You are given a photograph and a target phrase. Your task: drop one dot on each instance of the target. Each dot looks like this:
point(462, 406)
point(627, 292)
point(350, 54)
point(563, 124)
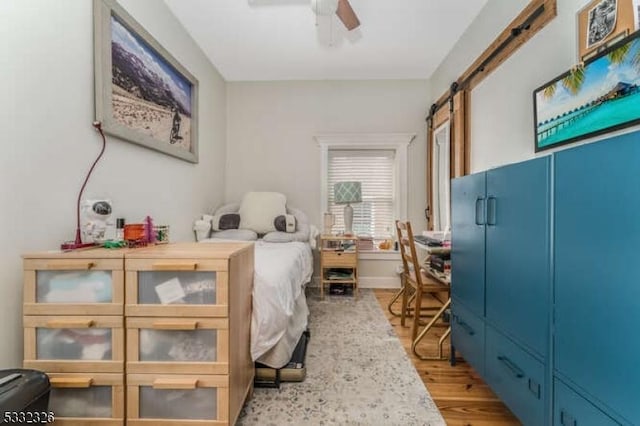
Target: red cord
point(98, 127)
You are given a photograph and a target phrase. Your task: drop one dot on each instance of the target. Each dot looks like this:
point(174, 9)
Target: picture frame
point(602, 23)
point(601, 96)
point(142, 93)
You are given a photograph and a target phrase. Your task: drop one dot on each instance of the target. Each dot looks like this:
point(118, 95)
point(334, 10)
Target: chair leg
point(396, 296)
point(426, 329)
point(405, 303)
point(416, 313)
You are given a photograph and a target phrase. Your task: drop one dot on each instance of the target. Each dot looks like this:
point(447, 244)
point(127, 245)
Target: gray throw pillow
point(222, 222)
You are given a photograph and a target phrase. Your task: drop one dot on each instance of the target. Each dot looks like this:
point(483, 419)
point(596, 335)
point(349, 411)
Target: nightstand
point(339, 261)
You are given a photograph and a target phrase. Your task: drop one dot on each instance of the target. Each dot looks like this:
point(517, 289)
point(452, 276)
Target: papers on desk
point(433, 249)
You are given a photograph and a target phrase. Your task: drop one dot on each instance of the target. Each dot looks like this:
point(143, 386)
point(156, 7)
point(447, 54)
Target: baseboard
point(369, 282)
point(379, 282)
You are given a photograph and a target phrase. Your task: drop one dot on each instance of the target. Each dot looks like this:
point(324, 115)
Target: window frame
point(399, 142)
point(441, 201)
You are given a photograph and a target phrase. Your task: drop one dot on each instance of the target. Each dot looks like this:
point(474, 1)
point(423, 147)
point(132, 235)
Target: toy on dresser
point(95, 216)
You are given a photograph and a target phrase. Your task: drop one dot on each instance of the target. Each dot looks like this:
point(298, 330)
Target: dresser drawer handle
point(511, 366)
point(567, 419)
point(71, 382)
point(70, 323)
point(175, 383)
point(175, 325)
point(80, 265)
point(175, 266)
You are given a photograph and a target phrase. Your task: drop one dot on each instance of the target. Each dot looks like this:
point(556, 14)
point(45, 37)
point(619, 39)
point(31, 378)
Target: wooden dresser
point(156, 335)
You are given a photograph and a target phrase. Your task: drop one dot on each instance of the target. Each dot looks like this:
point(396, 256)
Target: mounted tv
point(601, 96)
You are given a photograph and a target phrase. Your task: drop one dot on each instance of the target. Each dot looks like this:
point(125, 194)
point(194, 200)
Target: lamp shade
point(347, 192)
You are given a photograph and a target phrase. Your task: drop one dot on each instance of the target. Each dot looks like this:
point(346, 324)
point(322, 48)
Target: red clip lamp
point(78, 244)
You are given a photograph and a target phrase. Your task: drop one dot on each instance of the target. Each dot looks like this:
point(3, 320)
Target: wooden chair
point(416, 284)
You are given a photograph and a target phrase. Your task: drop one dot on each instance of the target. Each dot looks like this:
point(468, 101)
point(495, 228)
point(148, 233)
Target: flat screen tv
point(601, 96)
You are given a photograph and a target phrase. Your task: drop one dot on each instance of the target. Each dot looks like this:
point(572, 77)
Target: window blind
point(374, 169)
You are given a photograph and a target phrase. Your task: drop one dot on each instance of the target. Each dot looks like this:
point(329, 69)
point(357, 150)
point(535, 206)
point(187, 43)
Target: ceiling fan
point(342, 8)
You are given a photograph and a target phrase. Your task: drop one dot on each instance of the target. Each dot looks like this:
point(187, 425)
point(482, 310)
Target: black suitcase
point(24, 397)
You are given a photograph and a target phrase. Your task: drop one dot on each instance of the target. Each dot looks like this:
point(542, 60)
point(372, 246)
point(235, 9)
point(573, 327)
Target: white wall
point(502, 105)
point(48, 143)
point(271, 127)
point(270, 145)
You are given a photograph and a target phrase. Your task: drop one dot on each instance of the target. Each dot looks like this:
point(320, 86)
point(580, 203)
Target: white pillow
point(259, 209)
point(236, 234)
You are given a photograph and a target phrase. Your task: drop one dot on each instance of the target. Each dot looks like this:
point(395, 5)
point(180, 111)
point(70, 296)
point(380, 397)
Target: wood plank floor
point(461, 395)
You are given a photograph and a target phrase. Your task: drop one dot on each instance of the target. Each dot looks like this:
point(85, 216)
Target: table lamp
point(347, 193)
point(77, 243)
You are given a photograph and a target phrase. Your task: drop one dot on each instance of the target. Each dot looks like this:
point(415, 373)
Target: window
point(375, 170)
point(379, 163)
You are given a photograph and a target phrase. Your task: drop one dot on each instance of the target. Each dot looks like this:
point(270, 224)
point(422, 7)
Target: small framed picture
point(602, 23)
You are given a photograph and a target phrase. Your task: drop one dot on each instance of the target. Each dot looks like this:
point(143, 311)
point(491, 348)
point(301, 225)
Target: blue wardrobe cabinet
point(597, 275)
point(501, 282)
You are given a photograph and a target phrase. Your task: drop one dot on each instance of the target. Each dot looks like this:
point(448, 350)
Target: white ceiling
point(252, 40)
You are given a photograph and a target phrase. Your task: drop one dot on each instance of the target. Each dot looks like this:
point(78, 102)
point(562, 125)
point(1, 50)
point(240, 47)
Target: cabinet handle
point(534, 388)
point(470, 331)
point(181, 266)
point(480, 211)
point(567, 419)
point(71, 382)
point(175, 383)
point(70, 323)
point(515, 370)
point(79, 265)
point(491, 210)
point(175, 325)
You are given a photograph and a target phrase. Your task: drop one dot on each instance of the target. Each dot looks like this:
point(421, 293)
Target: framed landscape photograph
point(599, 97)
point(143, 94)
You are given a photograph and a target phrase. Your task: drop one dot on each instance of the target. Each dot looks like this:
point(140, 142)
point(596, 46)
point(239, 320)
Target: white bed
point(281, 271)
point(280, 310)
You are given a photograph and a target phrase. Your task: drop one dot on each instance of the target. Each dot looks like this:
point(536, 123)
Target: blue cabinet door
point(467, 335)
point(597, 273)
point(518, 272)
point(571, 409)
point(467, 241)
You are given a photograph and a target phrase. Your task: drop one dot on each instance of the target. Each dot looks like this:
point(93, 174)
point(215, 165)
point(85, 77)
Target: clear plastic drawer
point(176, 288)
point(77, 397)
point(74, 287)
point(187, 345)
point(168, 398)
point(74, 344)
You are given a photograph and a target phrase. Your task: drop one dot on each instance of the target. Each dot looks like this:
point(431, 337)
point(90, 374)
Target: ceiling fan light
point(324, 7)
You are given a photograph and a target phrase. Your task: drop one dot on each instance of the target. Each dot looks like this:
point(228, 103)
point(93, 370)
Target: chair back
point(410, 261)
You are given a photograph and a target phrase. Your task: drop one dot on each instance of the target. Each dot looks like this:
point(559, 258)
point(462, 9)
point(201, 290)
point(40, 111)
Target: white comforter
point(281, 270)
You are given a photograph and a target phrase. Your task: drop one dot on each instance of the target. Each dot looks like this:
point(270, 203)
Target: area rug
point(358, 373)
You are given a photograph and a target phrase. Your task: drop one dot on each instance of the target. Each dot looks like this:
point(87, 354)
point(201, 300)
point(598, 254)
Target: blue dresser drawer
point(516, 377)
point(467, 335)
point(570, 409)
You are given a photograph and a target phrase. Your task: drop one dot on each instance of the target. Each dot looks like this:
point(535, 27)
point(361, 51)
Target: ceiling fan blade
point(347, 15)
